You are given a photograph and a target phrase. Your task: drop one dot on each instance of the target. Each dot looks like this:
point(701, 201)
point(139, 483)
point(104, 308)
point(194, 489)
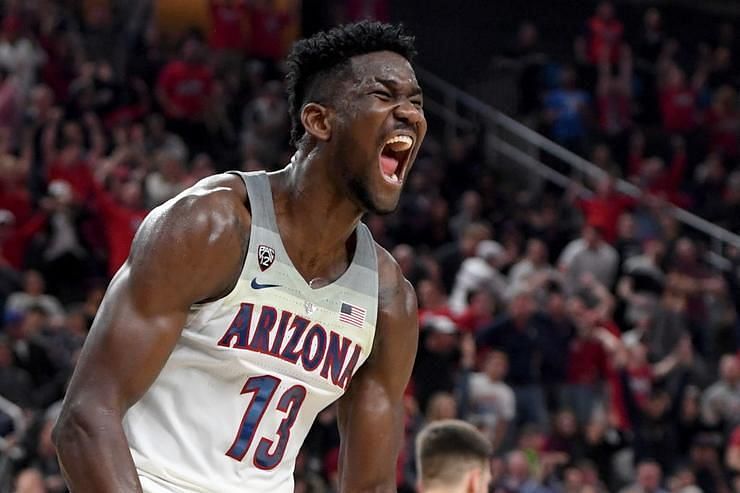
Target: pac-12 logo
point(265, 257)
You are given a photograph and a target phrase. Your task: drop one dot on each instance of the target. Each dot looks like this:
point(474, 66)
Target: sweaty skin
point(335, 178)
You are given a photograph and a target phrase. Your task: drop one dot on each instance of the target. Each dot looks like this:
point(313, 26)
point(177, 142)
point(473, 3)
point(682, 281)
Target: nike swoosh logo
point(256, 285)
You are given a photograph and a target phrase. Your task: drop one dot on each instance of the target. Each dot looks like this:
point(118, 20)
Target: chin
point(375, 202)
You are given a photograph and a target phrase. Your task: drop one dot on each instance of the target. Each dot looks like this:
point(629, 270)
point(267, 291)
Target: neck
point(316, 217)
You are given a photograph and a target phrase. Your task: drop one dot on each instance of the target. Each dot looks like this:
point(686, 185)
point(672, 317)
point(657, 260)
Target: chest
point(265, 325)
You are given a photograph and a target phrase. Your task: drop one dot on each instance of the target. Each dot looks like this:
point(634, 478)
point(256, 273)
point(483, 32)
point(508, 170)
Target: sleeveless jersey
point(251, 371)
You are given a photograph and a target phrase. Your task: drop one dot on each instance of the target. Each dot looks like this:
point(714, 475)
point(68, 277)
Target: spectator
point(491, 401)
point(565, 437)
point(268, 26)
point(555, 331)
point(517, 477)
point(33, 294)
point(604, 34)
point(15, 383)
point(228, 26)
point(602, 442)
point(70, 163)
point(534, 269)
point(706, 464)
point(266, 124)
point(158, 139)
point(471, 209)
point(515, 333)
point(648, 480)
point(168, 180)
point(14, 239)
point(432, 300)
point(30, 353)
point(436, 360)
point(452, 255)
point(723, 120)
point(481, 310)
point(678, 100)
point(614, 96)
point(18, 53)
point(184, 89)
point(589, 254)
point(530, 59)
point(43, 457)
point(721, 401)
point(60, 251)
point(479, 272)
point(654, 423)
point(441, 406)
point(586, 368)
point(603, 209)
point(566, 110)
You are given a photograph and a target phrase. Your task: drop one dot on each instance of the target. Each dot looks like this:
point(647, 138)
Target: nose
point(409, 113)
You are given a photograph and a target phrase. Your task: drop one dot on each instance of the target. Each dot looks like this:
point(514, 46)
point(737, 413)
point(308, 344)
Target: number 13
point(263, 388)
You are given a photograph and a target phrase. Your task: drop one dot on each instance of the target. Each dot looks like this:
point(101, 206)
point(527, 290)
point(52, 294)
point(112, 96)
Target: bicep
point(147, 302)
point(126, 348)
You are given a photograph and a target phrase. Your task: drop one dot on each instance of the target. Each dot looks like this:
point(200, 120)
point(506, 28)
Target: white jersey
point(239, 393)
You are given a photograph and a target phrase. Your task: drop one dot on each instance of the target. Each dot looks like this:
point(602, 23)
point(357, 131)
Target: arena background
point(570, 226)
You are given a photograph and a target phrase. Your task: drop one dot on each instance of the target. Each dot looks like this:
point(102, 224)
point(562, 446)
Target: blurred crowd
point(585, 334)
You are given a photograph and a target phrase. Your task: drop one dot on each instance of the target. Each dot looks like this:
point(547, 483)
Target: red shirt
point(605, 37)
point(77, 174)
point(14, 248)
point(603, 212)
point(187, 86)
point(735, 437)
point(120, 225)
point(586, 361)
point(667, 184)
point(678, 107)
point(470, 321)
point(17, 201)
point(227, 26)
point(614, 113)
point(266, 33)
point(724, 132)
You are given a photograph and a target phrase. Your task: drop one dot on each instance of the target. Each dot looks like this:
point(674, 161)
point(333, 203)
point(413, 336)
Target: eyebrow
point(391, 83)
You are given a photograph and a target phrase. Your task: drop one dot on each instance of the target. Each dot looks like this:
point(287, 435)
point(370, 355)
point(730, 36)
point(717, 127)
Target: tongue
point(388, 165)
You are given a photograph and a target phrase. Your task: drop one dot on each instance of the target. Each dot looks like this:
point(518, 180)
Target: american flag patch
point(351, 314)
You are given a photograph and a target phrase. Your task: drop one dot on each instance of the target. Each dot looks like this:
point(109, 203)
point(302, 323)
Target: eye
point(418, 102)
point(382, 95)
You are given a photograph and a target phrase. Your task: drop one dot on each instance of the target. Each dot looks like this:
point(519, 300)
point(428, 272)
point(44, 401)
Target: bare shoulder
point(396, 296)
point(202, 233)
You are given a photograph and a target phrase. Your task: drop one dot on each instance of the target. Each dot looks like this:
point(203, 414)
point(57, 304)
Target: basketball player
point(250, 302)
point(452, 457)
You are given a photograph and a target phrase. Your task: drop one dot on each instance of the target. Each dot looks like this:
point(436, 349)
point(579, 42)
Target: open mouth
point(394, 157)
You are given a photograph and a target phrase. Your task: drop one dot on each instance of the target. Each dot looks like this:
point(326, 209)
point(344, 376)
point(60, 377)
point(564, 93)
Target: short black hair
point(447, 449)
point(327, 52)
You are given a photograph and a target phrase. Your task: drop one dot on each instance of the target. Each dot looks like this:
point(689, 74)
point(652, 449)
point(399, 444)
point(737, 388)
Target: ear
point(473, 481)
point(315, 119)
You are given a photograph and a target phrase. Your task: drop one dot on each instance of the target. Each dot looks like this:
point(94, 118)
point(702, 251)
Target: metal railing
point(454, 101)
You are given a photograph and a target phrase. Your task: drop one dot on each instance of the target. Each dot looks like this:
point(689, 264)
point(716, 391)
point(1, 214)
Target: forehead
point(382, 65)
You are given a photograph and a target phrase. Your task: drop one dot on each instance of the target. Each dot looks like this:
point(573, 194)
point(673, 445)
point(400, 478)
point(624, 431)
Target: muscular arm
point(187, 250)
point(371, 417)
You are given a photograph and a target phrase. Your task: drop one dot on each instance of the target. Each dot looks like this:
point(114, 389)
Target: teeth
point(400, 143)
point(393, 178)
